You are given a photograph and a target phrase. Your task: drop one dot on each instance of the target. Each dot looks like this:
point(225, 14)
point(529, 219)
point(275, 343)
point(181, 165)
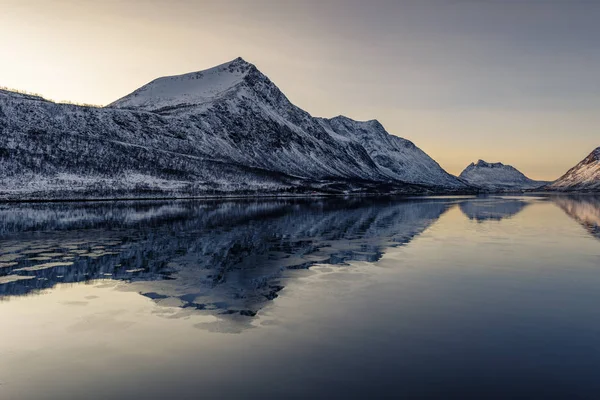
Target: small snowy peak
point(187, 89)
point(484, 164)
point(594, 156)
point(497, 176)
point(585, 176)
point(397, 158)
point(349, 127)
point(347, 120)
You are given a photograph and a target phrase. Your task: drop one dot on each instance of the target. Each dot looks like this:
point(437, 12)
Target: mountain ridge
point(497, 176)
point(237, 69)
point(253, 85)
point(233, 133)
point(585, 176)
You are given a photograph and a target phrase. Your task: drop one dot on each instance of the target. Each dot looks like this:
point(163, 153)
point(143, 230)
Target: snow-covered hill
point(237, 99)
point(497, 176)
point(585, 176)
point(395, 157)
point(228, 129)
point(188, 89)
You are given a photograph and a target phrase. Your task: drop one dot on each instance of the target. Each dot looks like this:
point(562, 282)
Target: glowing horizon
point(511, 83)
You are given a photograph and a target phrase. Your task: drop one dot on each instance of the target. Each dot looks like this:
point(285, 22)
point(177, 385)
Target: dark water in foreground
point(432, 298)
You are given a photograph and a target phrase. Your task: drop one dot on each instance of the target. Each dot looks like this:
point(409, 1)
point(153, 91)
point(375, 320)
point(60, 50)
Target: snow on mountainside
point(248, 105)
point(497, 176)
point(192, 89)
point(585, 176)
point(225, 130)
point(396, 157)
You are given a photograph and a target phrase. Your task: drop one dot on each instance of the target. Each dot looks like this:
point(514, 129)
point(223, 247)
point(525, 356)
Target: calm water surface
point(494, 297)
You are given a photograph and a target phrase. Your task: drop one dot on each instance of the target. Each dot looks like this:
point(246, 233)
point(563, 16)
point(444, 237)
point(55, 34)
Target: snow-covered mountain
point(190, 89)
point(585, 176)
point(228, 129)
point(497, 176)
point(395, 157)
point(238, 99)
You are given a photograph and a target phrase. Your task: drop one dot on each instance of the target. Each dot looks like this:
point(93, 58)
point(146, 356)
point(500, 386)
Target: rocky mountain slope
point(497, 176)
point(226, 130)
point(585, 176)
point(237, 95)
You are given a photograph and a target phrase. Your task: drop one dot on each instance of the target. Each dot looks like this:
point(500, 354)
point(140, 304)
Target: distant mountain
point(226, 130)
point(585, 176)
point(497, 176)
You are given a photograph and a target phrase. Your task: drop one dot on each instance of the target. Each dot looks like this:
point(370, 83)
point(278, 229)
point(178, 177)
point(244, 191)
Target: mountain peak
point(497, 176)
point(485, 164)
point(584, 176)
point(345, 119)
point(187, 89)
point(592, 158)
point(239, 60)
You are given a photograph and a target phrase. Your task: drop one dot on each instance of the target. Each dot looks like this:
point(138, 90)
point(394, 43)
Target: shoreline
point(233, 197)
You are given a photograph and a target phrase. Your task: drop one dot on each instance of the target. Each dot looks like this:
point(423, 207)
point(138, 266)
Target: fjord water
point(493, 297)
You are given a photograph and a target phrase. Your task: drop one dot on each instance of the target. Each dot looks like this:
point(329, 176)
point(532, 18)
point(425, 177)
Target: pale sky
point(515, 81)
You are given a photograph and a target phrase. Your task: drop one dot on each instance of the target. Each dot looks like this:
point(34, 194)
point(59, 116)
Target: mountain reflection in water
point(495, 209)
point(221, 258)
point(584, 209)
point(226, 257)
